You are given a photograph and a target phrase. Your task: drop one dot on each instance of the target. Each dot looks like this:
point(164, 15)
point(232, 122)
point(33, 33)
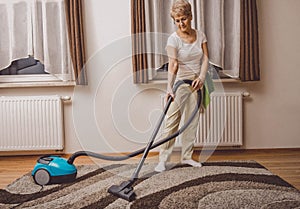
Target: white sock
point(161, 166)
point(192, 163)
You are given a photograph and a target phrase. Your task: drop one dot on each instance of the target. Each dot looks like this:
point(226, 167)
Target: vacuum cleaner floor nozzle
point(124, 191)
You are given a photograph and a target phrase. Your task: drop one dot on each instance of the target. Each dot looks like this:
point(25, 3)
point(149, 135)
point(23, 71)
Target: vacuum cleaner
point(51, 169)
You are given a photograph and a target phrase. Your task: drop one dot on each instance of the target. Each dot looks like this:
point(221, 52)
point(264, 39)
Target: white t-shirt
point(189, 55)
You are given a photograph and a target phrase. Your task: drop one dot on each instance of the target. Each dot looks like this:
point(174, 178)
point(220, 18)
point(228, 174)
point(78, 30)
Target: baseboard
point(31, 153)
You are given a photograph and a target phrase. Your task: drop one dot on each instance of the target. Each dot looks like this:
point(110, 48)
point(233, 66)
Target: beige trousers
point(180, 111)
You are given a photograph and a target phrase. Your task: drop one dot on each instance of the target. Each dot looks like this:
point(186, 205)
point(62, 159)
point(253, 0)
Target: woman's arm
point(199, 82)
point(204, 66)
point(172, 70)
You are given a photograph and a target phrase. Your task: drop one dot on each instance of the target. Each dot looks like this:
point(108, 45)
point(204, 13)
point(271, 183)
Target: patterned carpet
point(215, 185)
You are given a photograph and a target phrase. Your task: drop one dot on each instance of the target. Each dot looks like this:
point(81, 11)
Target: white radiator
point(222, 123)
point(31, 123)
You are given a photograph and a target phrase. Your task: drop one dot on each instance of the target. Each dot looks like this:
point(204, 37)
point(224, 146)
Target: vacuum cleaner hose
point(160, 142)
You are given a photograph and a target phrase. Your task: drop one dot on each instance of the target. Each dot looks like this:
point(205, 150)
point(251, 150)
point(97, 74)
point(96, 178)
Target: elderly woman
point(188, 60)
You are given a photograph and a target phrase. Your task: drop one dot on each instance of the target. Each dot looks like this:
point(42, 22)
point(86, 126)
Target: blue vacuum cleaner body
point(53, 170)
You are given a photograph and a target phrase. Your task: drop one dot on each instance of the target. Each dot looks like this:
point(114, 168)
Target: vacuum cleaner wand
point(125, 190)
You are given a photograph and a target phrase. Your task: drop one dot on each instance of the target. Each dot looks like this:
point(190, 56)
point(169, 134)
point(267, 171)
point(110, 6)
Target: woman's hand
point(197, 84)
point(170, 95)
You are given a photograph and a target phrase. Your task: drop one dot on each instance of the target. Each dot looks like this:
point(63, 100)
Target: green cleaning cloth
point(208, 89)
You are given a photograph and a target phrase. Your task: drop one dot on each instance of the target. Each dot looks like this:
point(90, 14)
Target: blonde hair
point(181, 7)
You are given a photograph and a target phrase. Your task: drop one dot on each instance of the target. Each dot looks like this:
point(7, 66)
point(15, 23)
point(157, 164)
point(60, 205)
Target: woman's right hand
point(170, 95)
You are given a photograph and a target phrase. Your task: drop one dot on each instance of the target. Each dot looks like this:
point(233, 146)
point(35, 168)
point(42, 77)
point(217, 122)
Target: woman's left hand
point(197, 84)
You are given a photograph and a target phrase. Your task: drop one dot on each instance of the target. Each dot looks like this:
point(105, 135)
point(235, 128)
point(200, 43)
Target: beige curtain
point(74, 16)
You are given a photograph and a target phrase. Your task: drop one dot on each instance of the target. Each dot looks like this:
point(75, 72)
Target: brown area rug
point(215, 185)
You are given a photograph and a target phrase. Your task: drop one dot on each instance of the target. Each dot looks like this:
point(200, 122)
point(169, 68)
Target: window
point(231, 29)
point(34, 42)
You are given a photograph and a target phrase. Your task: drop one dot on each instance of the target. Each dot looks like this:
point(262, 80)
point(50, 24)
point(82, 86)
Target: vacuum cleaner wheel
point(41, 177)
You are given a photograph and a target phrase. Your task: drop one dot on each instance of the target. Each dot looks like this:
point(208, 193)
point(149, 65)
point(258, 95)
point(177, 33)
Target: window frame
point(33, 80)
point(65, 78)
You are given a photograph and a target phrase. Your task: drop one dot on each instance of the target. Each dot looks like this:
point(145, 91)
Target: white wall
point(273, 115)
point(111, 114)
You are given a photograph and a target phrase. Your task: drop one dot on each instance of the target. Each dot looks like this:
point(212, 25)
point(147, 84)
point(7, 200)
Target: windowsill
point(21, 81)
point(38, 84)
point(223, 80)
point(161, 78)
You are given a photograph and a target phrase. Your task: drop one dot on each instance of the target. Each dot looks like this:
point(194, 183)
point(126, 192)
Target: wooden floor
point(282, 162)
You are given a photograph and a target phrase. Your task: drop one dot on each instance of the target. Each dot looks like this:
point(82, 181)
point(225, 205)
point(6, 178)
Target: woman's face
point(183, 22)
